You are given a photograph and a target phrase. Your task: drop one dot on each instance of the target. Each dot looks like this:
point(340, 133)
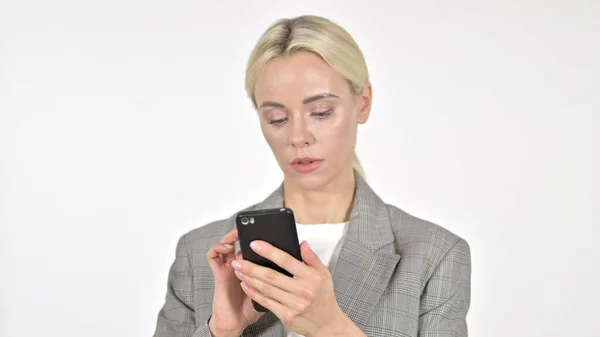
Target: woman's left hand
point(306, 302)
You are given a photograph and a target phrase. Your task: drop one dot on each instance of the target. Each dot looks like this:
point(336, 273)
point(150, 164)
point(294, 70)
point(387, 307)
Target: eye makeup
point(322, 114)
point(278, 122)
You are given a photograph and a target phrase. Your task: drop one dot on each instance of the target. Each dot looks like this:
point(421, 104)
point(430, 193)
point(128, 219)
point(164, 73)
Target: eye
point(322, 114)
point(278, 122)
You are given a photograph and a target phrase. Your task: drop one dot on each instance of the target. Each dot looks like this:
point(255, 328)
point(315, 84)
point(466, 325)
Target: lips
point(305, 160)
point(306, 164)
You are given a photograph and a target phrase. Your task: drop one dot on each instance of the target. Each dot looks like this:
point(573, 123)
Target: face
point(309, 117)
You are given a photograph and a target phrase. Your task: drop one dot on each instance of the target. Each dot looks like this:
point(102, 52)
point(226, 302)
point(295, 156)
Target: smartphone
point(276, 226)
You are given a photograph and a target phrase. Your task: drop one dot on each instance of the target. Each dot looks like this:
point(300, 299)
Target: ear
point(364, 103)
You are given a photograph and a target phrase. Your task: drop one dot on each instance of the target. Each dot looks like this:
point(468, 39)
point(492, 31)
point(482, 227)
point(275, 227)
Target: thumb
point(310, 257)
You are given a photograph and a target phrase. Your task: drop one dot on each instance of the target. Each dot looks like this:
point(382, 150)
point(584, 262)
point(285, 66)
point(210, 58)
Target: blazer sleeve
point(176, 317)
point(447, 295)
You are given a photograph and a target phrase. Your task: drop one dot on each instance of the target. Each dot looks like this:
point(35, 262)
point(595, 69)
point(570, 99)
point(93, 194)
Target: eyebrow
point(307, 100)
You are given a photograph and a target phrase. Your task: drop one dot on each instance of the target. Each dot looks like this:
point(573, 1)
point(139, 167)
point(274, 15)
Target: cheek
point(274, 137)
point(337, 131)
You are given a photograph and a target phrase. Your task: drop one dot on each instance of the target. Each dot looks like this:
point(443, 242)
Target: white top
point(325, 240)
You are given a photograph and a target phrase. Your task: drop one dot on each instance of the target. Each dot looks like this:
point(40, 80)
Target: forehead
point(298, 76)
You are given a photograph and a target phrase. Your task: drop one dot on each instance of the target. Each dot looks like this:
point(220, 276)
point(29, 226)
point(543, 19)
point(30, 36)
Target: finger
point(217, 249)
point(270, 276)
point(267, 302)
point(287, 299)
point(311, 258)
point(280, 258)
point(230, 237)
point(213, 255)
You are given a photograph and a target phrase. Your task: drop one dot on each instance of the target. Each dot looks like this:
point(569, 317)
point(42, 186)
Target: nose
point(301, 135)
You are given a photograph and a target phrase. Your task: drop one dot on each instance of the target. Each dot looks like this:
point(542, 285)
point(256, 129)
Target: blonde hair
point(313, 34)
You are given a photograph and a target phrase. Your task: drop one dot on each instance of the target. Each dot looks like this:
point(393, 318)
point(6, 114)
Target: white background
point(124, 124)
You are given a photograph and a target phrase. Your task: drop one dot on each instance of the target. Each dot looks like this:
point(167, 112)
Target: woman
point(369, 268)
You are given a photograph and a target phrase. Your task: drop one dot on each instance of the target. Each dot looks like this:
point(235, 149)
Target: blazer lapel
point(365, 264)
point(367, 257)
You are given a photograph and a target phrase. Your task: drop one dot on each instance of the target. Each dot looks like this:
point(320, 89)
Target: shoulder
point(409, 227)
point(425, 241)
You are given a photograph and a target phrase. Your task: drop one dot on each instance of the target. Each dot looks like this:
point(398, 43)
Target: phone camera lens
point(245, 221)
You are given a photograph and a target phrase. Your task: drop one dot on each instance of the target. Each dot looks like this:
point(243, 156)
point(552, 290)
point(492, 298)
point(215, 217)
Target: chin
point(309, 181)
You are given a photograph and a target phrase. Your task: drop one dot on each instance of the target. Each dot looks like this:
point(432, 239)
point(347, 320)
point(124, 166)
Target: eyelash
point(320, 115)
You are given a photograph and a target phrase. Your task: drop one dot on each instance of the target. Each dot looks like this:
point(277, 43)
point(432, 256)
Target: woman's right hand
point(232, 309)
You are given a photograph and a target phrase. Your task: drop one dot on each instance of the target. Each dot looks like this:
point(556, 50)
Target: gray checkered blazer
point(396, 275)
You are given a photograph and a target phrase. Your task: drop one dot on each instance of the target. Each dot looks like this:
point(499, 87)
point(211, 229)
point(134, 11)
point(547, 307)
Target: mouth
point(305, 160)
point(306, 164)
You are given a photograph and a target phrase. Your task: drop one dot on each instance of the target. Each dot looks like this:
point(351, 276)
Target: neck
point(330, 204)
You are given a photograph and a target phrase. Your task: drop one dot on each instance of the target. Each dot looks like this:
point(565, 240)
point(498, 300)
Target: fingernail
point(228, 245)
point(238, 274)
point(255, 246)
point(244, 286)
point(236, 265)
